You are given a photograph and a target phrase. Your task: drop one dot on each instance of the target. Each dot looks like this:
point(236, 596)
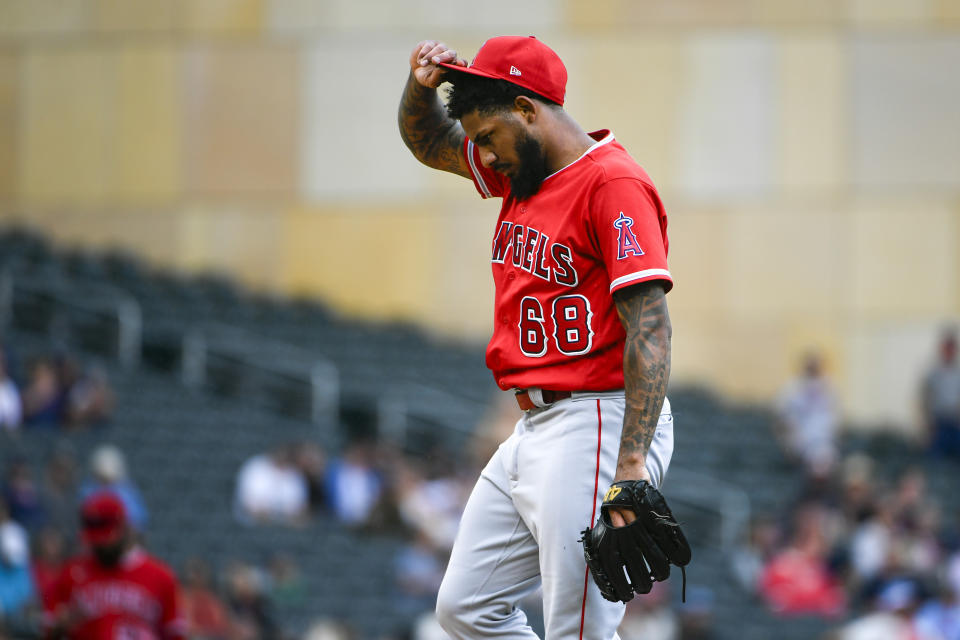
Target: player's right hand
point(425, 62)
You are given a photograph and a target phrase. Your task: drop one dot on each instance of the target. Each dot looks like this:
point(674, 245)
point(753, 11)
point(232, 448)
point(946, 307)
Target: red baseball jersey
point(594, 227)
point(136, 600)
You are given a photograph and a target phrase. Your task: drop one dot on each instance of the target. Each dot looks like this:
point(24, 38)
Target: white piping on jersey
point(639, 275)
point(476, 173)
point(598, 143)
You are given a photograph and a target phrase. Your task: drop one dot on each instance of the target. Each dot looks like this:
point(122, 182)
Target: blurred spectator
point(286, 583)
point(205, 614)
point(16, 583)
point(49, 556)
point(353, 484)
point(427, 627)
point(251, 617)
point(494, 427)
point(940, 399)
point(871, 542)
point(108, 471)
point(898, 536)
point(114, 590)
point(856, 487)
point(58, 492)
point(433, 507)
point(749, 559)
point(919, 541)
point(418, 572)
point(939, 618)
point(891, 617)
point(11, 411)
point(22, 495)
point(909, 497)
point(44, 396)
point(797, 580)
point(89, 399)
point(953, 572)
point(696, 615)
point(326, 629)
point(272, 488)
point(808, 418)
point(650, 616)
point(312, 463)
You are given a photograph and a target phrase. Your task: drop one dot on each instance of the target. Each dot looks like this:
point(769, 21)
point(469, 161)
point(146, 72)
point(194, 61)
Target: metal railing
point(255, 365)
point(72, 312)
point(401, 404)
point(64, 310)
point(719, 510)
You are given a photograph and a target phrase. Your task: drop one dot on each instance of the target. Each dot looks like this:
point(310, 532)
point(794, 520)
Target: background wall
point(808, 153)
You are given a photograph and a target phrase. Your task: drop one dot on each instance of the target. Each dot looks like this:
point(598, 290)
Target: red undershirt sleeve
point(488, 182)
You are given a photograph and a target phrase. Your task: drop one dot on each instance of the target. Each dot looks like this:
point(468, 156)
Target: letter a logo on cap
point(514, 71)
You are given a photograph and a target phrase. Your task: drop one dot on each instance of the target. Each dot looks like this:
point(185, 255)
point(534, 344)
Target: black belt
point(549, 397)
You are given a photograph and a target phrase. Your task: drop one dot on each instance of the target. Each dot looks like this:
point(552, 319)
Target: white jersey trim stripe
point(598, 143)
point(477, 177)
point(639, 275)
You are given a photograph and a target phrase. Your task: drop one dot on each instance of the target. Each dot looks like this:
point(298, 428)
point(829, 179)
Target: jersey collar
point(134, 557)
point(602, 137)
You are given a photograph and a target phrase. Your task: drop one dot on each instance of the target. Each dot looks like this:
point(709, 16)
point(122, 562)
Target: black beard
point(109, 556)
point(531, 168)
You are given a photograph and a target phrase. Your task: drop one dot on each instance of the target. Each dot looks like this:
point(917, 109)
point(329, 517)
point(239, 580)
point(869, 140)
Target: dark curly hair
point(485, 95)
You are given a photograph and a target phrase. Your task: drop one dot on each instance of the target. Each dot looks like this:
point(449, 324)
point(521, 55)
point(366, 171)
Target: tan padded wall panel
point(9, 122)
point(146, 133)
point(26, 19)
point(895, 14)
point(905, 108)
point(217, 16)
point(67, 111)
point(811, 128)
point(241, 108)
point(137, 16)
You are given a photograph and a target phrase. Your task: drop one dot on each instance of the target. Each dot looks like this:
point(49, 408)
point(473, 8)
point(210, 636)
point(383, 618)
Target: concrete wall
point(808, 153)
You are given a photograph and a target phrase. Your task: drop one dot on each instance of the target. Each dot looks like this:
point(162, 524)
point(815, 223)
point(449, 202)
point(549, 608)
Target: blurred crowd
point(370, 487)
point(858, 541)
point(873, 551)
point(39, 517)
point(52, 391)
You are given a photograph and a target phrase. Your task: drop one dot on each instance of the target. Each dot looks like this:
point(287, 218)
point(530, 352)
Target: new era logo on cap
point(514, 71)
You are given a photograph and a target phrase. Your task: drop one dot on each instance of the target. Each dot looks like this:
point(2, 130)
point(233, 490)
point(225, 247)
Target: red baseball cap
point(522, 60)
point(103, 518)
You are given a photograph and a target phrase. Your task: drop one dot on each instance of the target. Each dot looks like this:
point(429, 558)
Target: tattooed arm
point(432, 136)
point(646, 369)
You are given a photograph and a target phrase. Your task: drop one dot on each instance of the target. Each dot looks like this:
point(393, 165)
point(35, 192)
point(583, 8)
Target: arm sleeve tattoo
point(646, 365)
point(432, 136)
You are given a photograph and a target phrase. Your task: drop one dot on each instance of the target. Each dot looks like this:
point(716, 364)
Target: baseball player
point(115, 591)
point(581, 335)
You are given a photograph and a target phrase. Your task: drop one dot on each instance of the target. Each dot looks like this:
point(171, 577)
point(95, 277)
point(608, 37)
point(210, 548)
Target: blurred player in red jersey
point(115, 590)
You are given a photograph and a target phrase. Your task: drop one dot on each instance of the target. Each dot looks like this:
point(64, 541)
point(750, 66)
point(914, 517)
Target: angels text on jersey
point(531, 250)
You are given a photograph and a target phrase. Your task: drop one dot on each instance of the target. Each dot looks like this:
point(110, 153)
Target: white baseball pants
point(522, 523)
